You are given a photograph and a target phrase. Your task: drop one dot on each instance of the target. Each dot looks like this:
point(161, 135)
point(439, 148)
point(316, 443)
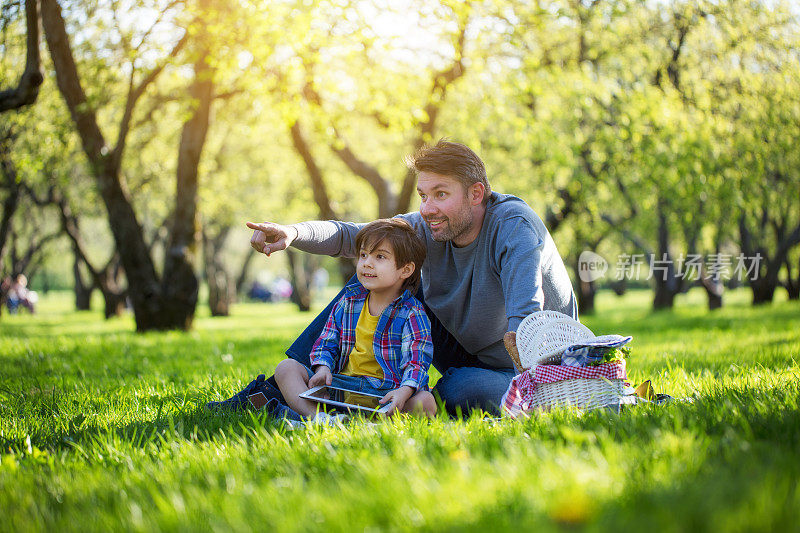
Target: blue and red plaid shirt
point(402, 342)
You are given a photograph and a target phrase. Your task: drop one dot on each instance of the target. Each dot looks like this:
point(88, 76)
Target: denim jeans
point(466, 382)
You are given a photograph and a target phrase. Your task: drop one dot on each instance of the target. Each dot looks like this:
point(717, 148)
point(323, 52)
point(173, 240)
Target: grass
point(103, 429)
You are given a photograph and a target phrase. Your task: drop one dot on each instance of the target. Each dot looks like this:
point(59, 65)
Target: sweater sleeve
point(329, 237)
point(337, 238)
point(518, 256)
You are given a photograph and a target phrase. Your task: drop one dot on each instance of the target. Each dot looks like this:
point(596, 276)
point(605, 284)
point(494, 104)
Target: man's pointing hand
point(269, 237)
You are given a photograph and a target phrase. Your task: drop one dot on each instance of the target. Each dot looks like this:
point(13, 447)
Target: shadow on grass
point(723, 320)
point(745, 480)
point(194, 423)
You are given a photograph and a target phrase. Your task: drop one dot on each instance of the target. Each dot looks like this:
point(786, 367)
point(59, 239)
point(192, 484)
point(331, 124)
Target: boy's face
point(377, 270)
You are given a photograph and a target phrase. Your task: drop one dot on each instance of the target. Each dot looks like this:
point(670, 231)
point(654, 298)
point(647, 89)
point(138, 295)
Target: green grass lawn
point(103, 429)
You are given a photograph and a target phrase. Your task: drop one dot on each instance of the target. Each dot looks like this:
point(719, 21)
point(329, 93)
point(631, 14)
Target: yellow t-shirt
point(362, 360)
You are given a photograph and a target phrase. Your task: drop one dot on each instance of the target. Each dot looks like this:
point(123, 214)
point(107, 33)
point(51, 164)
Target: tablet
point(329, 395)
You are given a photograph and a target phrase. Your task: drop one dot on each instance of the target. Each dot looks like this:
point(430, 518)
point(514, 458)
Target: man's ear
point(407, 270)
point(476, 192)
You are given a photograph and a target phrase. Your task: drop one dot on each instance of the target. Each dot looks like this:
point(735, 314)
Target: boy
point(377, 338)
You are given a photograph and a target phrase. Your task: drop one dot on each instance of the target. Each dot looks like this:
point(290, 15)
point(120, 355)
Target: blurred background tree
point(664, 129)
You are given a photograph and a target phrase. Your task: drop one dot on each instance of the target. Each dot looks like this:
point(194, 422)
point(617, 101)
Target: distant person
point(259, 292)
point(377, 336)
point(20, 296)
point(490, 263)
point(282, 288)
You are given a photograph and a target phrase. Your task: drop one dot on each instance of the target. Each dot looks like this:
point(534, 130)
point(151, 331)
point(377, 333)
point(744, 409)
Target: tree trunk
point(347, 269)
point(301, 281)
point(667, 285)
point(11, 201)
point(585, 293)
point(767, 270)
point(179, 284)
point(105, 280)
point(714, 290)
point(220, 290)
point(219, 293)
point(764, 285)
point(241, 279)
point(620, 287)
point(792, 284)
point(763, 293)
point(114, 300)
point(83, 292)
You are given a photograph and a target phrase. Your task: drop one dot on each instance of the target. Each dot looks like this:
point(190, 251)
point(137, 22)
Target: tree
point(159, 302)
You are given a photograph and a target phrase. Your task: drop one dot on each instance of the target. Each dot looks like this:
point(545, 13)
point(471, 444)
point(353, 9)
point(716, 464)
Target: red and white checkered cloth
point(519, 396)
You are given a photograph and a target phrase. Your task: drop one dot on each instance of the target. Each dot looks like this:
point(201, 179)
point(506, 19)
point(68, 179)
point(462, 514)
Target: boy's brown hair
point(407, 246)
point(452, 159)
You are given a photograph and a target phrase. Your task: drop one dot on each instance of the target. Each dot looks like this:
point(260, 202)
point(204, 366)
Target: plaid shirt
point(402, 341)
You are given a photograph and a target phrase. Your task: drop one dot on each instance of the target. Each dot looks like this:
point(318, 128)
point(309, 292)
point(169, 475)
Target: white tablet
point(327, 395)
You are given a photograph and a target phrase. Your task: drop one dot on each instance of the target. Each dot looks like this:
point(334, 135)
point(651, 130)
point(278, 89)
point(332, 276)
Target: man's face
point(445, 206)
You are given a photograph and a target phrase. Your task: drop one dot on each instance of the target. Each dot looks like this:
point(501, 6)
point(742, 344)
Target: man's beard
point(454, 228)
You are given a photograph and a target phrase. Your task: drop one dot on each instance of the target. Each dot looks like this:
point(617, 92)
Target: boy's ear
point(407, 270)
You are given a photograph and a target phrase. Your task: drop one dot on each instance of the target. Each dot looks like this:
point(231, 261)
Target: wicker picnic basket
point(539, 340)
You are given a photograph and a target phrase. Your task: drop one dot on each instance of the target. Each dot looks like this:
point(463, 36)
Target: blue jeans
point(466, 382)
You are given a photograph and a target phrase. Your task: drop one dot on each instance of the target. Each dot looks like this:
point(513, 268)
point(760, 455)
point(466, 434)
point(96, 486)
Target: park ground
point(104, 429)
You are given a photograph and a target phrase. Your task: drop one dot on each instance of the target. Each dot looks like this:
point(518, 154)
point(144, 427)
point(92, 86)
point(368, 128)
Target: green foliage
point(613, 356)
point(104, 429)
point(620, 106)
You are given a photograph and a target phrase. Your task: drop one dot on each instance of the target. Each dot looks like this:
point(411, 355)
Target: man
point(490, 263)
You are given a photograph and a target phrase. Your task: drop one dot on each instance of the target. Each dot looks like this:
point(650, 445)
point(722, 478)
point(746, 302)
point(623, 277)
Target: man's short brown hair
point(452, 159)
point(407, 246)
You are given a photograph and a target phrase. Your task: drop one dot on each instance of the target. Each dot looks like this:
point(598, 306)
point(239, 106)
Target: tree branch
point(27, 90)
point(135, 93)
point(314, 173)
point(439, 86)
point(635, 239)
point(94, 144)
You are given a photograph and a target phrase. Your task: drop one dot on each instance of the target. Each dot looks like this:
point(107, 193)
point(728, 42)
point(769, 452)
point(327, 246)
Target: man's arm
point(518, 257)
point(330, 237)
point(322, 237)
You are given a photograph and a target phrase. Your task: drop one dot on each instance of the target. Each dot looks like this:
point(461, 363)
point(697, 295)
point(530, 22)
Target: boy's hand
point(269, 237)
point(322, 376)
point(398, 397)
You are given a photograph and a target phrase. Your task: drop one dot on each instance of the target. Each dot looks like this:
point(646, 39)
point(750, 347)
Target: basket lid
point(543, 335)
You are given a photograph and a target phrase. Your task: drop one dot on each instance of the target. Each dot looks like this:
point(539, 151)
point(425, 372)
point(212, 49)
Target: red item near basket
point(532, 388)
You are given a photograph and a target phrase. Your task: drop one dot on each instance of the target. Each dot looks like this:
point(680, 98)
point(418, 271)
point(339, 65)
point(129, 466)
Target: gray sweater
point(484, 289)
